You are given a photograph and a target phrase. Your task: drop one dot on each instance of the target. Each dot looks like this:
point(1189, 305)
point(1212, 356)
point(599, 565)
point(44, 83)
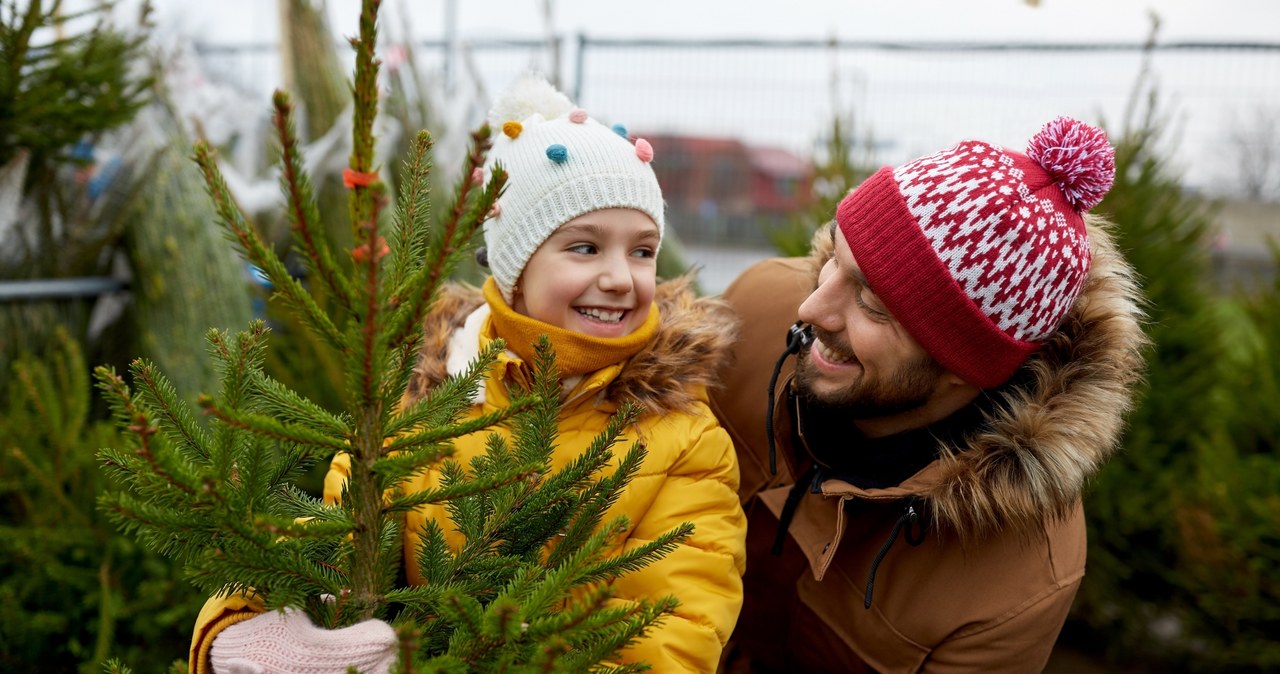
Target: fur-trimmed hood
point(1057, 421)
point(668, 375)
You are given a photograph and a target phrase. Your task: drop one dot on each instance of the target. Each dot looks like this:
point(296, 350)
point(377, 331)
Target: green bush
point(72, 591)
point(1184, 524)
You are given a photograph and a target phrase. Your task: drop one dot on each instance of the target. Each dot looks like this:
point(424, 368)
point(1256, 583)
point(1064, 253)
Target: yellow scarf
point(576, 353)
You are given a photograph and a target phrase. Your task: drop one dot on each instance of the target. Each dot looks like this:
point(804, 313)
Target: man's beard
point(908, 388)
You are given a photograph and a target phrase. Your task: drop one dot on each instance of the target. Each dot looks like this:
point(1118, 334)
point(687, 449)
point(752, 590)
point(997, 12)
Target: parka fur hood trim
point(1056, 422)
point(668, 375)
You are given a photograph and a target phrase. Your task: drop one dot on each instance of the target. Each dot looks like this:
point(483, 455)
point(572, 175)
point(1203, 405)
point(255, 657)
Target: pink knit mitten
point(285, 642)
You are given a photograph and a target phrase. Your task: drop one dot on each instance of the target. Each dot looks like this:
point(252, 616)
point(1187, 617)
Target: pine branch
point(269, 427)
point(157, 393)
point(53, 489)
point(303, 215)
point(555, 585)
point(441, 433)
point(411, 226)
point(143, 428)
point(460, 489)
point(458, 232)
point(639, 557)
point(594, 502)
point(255, 251)
point(38, 392)
point(446, 403)
point(237, 360)
point(287, 404)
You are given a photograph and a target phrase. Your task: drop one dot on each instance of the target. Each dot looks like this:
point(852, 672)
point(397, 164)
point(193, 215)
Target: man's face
point(861, 360)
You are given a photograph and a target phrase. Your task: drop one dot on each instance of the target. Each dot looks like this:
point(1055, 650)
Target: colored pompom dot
point(644, 150)
point(557, 153)
point(477, 176)
point(512, 129)
point(578, 116)
point(495, 210)
point(482, 257)
point(620, 130)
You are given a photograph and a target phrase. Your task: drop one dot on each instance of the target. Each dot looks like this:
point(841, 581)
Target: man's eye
point(865, 306)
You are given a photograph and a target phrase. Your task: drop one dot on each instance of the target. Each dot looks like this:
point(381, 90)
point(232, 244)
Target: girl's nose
point(615, 277)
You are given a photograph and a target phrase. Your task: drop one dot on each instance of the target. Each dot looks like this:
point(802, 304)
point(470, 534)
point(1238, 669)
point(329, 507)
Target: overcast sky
point(233, 21)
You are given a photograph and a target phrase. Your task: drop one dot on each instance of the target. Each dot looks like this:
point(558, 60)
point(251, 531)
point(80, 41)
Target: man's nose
point(820, 307)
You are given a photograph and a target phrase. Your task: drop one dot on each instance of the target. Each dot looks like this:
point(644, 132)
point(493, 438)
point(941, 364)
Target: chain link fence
point(1220, 101)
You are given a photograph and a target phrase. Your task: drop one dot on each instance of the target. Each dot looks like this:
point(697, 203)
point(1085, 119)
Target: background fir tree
point(529, 590)
point(72, 590)
point(1182, 546)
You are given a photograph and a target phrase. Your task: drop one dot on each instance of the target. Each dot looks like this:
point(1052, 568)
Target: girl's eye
point(642, 252)
point(582, 248)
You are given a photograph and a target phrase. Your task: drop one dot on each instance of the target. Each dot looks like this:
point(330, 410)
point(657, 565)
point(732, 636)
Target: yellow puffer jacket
point(690, 473)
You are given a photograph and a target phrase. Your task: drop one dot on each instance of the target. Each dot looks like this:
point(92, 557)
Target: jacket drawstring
point(798, 336)
point(811, 479)
point(909, 519)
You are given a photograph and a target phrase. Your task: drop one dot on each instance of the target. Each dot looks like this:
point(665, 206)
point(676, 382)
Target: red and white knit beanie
point(980, 251)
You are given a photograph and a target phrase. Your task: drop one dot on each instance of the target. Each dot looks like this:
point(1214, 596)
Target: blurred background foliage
point(1184, 559)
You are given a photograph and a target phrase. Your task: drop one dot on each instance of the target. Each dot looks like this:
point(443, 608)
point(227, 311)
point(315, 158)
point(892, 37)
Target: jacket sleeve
point(220, 613)
point(1021, 644)
point(217, 614)
point(704, 572)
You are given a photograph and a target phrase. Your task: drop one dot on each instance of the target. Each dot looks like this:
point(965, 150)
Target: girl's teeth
point(602, 315)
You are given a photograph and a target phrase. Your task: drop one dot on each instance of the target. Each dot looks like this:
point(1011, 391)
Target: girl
point(572, 248)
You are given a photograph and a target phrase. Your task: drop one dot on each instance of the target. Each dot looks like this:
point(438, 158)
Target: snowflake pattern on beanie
point(1013, 253)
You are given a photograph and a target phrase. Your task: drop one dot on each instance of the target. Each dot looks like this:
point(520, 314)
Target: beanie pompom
point(1079, 157)
point(557, 153)
point(512, 128)
point(528, 96)
point(620, 130)
point(578, 116)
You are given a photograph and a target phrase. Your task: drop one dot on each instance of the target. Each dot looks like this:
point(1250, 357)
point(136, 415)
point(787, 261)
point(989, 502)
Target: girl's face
point(594, 275)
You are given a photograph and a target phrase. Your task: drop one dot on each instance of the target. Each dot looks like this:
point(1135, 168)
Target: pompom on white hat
point(561, 164)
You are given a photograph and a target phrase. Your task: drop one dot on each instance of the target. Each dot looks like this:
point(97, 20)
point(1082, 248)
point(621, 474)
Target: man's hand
point(284, 642)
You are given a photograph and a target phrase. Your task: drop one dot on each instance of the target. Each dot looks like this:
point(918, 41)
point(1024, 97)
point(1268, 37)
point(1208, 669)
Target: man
point(967, 344)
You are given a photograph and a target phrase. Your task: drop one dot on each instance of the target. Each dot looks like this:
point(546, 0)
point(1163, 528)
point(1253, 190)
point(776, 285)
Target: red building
point(720, 190)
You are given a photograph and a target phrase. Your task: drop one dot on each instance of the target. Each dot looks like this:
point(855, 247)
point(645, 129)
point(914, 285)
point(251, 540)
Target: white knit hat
point(562, 164)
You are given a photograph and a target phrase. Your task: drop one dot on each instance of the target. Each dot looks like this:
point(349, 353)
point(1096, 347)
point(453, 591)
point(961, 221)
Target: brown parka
point(998, 551)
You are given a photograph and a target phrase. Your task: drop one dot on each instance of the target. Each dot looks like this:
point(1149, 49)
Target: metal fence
point(1220, 101)
point(905, 98)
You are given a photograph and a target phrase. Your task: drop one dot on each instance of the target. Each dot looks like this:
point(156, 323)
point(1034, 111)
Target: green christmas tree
point(529, 590)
